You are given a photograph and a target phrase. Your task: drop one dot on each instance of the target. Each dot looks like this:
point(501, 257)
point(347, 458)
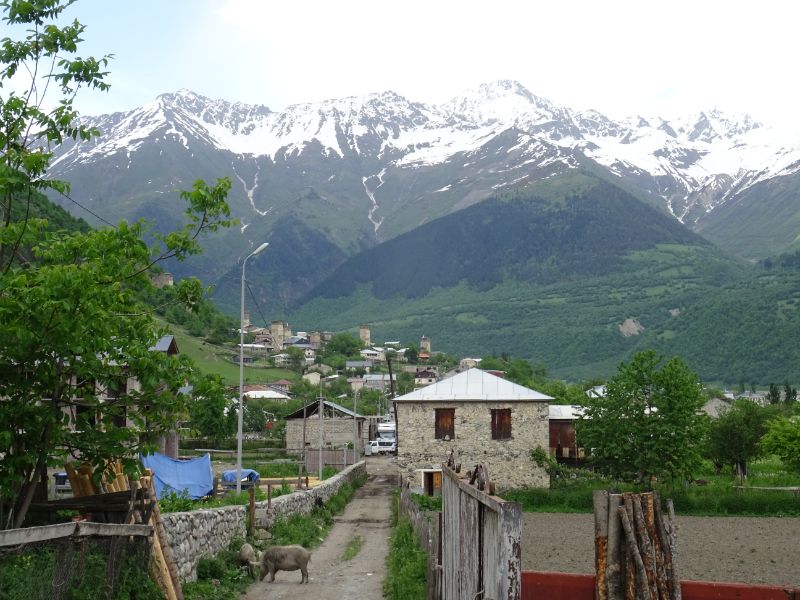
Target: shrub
point(407, 565)
point(211, 568)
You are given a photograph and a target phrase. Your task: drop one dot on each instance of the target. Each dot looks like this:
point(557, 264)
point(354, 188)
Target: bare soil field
point(758, 550)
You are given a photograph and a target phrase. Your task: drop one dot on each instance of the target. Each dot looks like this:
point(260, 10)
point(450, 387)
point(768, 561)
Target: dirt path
point(331, 578)
point(759, 550)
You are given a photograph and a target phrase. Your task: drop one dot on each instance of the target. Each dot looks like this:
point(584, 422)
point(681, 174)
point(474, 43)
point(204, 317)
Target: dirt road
point(330, 577)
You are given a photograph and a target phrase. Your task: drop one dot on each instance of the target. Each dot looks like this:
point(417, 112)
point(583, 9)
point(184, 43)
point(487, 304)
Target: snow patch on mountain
point(694, 163)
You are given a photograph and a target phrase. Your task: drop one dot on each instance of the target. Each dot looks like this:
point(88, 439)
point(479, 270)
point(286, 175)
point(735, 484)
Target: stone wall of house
point(204, 533)
point(335, 432)
point(508, 461)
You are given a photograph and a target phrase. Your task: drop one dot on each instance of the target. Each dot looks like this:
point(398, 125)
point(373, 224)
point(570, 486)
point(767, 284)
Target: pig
point(285, 558)
point(249, 558)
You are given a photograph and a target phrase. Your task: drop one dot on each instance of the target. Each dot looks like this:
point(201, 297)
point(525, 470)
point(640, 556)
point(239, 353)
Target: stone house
point(337, 427)
point(487, 419)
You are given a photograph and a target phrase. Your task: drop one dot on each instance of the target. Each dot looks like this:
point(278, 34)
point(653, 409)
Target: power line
point(90, 211)
point(253, 296)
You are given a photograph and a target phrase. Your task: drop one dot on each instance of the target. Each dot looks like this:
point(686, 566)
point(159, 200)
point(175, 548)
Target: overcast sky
point(619, 57)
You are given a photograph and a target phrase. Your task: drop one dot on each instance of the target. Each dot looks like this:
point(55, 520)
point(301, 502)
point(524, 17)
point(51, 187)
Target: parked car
point(381, 446)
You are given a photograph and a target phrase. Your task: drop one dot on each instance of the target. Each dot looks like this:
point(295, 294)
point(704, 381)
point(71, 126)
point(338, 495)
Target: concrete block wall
point(508, 461)
point(204, 533)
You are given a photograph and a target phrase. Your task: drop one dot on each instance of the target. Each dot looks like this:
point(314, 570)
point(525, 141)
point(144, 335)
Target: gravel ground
point(758, 550)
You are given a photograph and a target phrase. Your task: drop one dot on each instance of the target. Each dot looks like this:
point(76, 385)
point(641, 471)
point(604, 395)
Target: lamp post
point(241, 377)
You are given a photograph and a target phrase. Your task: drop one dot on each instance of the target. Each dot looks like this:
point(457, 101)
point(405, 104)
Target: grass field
point(217, 359)
point(710, 494)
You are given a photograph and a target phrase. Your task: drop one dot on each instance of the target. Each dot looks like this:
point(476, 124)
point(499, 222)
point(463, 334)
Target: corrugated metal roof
point(565, 412)
point(266, 395)
point(163, 344)
point(312, 407)
point(475, 385)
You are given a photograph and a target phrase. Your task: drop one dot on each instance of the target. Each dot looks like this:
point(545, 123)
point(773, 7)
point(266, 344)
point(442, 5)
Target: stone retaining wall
point(204, 533)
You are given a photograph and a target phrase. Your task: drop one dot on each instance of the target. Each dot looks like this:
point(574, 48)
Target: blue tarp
point(193, 475)
point(247, 475)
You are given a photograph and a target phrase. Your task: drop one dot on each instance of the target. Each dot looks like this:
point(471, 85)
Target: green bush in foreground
point(33, 574)
point(219, 577)
point(407, 564)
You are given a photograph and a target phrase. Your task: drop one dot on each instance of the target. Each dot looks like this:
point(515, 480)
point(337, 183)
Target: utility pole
point(394, 404)
point(356, 443)
point(321, 406)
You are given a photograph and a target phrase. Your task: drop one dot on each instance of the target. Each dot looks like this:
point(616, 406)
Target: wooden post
point(616, 554)
point(641, 589)
point(673, 546)
point(630, 566)
point(645, 547)
point(664, 543)
point(600, 501)
point(269, 495)
point(252, 512)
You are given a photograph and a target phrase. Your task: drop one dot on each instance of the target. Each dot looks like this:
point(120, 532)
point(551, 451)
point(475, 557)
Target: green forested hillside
point(575, 274)
point(763, 221)
point(40, 207)
point(568, 228)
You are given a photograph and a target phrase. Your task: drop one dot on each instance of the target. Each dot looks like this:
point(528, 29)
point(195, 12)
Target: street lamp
point(241, 378)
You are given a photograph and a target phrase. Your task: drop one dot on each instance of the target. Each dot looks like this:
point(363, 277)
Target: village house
point(486, 419)
point(563, 444)
point(337, 427)
point(424, 377)
point(167, 444)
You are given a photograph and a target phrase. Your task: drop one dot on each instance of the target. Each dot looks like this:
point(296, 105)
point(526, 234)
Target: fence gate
point(481, 554)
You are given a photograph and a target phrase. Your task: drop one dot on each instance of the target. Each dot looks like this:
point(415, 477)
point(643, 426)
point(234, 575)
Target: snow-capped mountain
point(360, 170)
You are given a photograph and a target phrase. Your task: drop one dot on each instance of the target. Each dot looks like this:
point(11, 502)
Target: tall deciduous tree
point(649, 424)
point(79, 376)
point(783, 439)
point(774, 394)
point(210, 410)
point(733, 437)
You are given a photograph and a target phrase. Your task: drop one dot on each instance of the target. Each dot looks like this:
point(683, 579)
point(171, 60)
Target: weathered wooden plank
point(30, 535)
point(469, 549)
point(492, 532)
point(492, 502)
point(511, 552)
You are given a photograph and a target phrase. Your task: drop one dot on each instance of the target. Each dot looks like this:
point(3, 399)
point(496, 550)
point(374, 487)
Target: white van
point(381, 446)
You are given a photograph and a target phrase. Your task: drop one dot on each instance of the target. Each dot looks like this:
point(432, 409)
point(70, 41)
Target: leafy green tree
point(297, 359)
point(783, 440)
point(789, 393)
point(210, 411)
point(46, 55)
point(649, 424)
point(404, 383)
point(345, 344)
point(411, 354)
point(73, 333)
point(774, 394)
point(733, 437)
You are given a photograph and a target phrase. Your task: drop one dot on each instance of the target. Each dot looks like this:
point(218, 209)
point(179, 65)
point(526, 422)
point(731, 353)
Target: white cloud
point(621, 57)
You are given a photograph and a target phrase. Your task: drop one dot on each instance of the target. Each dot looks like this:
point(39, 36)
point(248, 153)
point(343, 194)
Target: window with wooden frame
point(501, 424)
point(445, 423)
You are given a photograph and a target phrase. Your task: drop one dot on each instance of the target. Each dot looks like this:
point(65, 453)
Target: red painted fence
point(537, 585)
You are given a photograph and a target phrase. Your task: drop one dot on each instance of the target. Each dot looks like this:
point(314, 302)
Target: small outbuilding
point(337, 427)
point(487, 419)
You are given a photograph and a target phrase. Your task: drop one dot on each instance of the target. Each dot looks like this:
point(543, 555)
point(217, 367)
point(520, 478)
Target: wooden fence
point(48, 533)
point(339, 459)
point(481, 552)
